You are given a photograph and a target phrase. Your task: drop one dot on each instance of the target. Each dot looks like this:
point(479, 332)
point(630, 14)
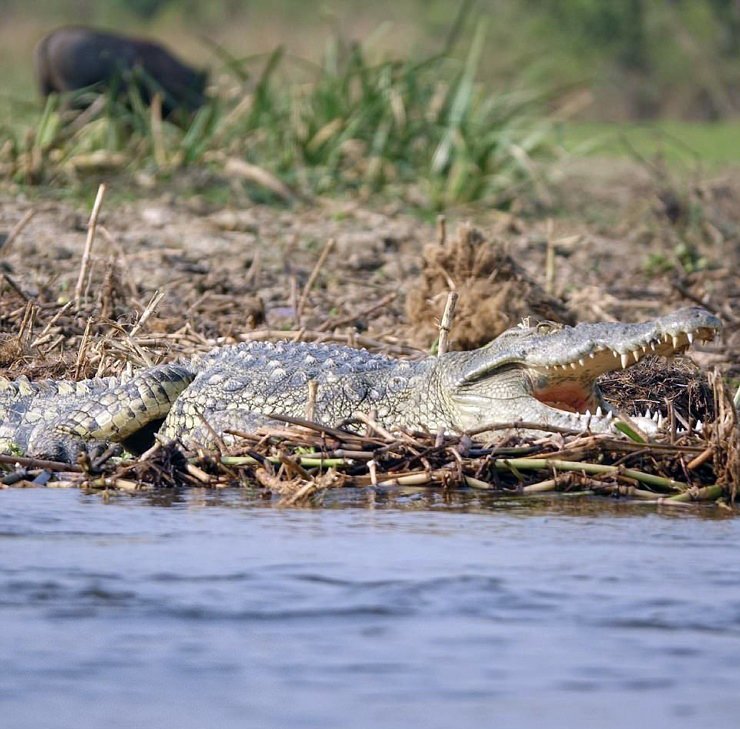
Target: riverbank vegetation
point(423, 128)
point(315, 197)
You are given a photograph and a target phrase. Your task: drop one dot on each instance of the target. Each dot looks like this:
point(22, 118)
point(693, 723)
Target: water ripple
point(210, 609)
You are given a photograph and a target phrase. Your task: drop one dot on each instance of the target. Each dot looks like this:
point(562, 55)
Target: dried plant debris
point(11, 350)
point(298, 462)
point(494, 291)
point(675, 387)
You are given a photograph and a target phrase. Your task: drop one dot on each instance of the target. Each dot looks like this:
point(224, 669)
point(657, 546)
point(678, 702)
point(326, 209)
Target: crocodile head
point(546, 373)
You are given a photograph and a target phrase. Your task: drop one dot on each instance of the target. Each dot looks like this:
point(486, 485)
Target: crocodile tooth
point(582, 362)
point(599, 413)
point(652, 345)
point(625, 361)
point(656, 416)
point(660, 419)
point(648, 414)
point(591, 355)
point(609, 414)
point(615, 353)
point(675, 341)
point(636, 355)
point(690, 337)
point(573, 366)
point(698, 426)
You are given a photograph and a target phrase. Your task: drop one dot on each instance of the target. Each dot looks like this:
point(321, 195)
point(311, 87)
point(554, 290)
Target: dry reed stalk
point(555, 464)
point(47, 327)
point(34, 463)
point(328, 246)
point(330, 479)
point(445, 324)
point(16, 230)
point(441, 230)
point(85, 263)
point(476, 483)
point(235, 167)
point(199, 474)
point(540, 487)
point(308, 425)
point(15, 287)
point(725, 436)
point(151, 307)
point(67, 484)
point(701, 459)
point(26, 327)
point(216, 437)
point(160, 153)
point(82, 350)
point(313, 391)
point(374, 427)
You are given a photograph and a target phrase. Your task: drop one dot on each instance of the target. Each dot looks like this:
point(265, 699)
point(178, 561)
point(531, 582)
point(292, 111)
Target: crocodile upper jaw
point(556, 389)
point(571, 385)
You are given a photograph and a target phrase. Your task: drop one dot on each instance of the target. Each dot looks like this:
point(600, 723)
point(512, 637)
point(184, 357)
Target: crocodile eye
point(548, 327)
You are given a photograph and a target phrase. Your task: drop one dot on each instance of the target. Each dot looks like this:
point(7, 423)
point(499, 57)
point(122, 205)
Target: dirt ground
point(621, 245)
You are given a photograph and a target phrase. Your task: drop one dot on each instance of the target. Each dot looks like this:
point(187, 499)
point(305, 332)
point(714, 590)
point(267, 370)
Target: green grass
point(350, 125)
point(712, 144)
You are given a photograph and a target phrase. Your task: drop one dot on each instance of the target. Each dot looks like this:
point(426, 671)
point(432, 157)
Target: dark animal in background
point(70, 59)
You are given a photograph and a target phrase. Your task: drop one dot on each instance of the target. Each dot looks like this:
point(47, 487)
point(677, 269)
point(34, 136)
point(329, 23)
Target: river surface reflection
point(216, 609)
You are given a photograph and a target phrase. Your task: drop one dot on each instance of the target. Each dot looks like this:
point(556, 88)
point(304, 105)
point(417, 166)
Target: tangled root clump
point(494, 292)
point(660, 384)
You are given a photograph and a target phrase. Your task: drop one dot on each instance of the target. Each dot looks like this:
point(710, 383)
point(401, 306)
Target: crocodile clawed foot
point(64, 448)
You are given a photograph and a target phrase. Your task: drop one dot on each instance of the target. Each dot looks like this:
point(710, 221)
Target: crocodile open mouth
point(571, 385)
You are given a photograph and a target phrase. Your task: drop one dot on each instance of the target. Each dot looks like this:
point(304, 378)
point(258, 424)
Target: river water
point(217, 609)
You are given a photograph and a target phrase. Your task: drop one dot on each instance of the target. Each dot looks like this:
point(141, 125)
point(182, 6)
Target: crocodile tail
point(119, 412)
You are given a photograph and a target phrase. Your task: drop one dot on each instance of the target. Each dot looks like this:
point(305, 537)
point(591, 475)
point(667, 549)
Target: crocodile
point(541, 373)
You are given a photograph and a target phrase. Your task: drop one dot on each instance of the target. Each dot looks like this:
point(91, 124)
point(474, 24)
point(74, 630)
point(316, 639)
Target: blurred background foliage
point(618, 59)
point(440, 101)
